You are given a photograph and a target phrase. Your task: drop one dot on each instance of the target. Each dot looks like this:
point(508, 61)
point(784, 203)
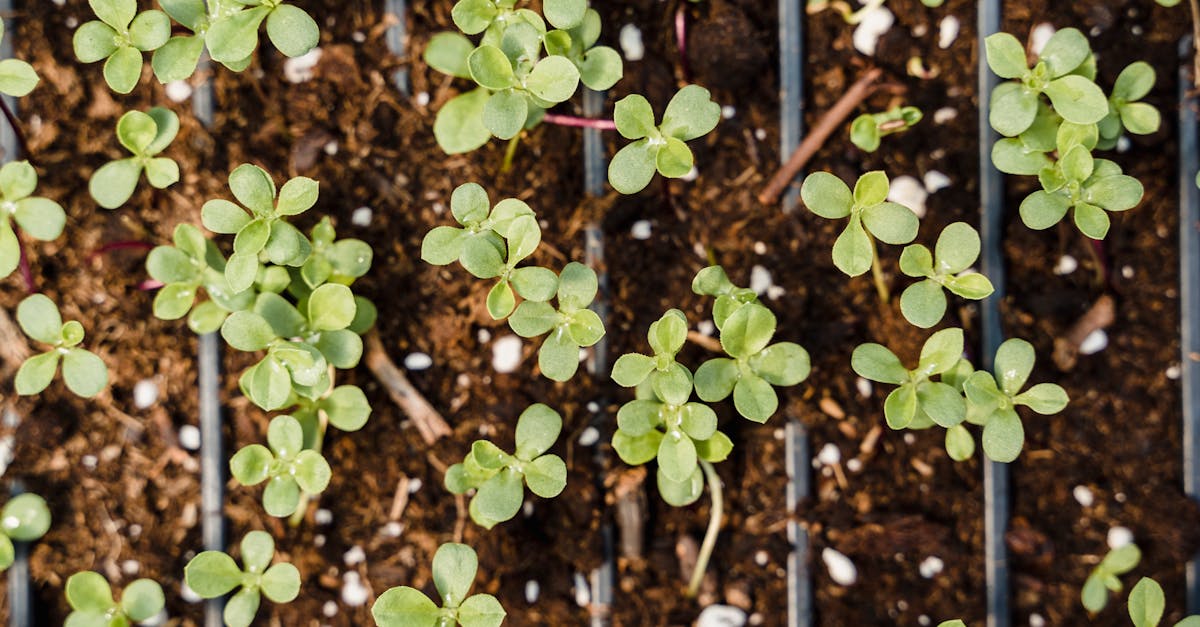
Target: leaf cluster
point(499, 478)
point(41, 218)
point(287, 467)
point(25, 518)
point(145, 135)
point(661, 148)
point(1147, 604)
point(83, 371)
point(213, 574)
point(872, 216)
point(92, 603)
point(1104, 578)
point(454, 569)
point(946, 268)
point(868, 130)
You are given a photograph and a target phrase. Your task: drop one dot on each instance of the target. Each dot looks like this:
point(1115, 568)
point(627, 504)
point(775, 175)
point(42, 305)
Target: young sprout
point(17, 78)
point(1104, 577)
point(121, 35)
point(92, 603)
point(1147, 604)
point(333, 260)
point(871, 215)
point(712, 281)
point(1125, 111)
point(454, 569)
point(662, 148)
point(499, 478)
point(869, 129)
point(600, 67)
point(261, 228)
point(213, 574)
point(1061, 73)
point(287, 467)
point(25, 518)
point(84, 372)
point(41, 218)
point(571, 327)
point(145, 135)
point(1092, 187)
point(233, 36)
point(924, 303)
point(918, 402)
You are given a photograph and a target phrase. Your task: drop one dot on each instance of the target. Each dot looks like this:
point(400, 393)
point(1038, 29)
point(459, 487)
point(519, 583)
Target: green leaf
point(634, 117)
point(1093, 595)
point(1065, 51)
point(1003, 436)
point(162, 173)
point(638, 417)
point(1139, 118)
point(1077, 99)
point(559, 356)
point(631, 369)
point(942, 403)
point(347, 408)
point(680, 493)
point(941, 351)
point(1121, 559)
point(553, 79)
point(1134, 82)
point(853, 252)
point(864, 132)
point(113, 184)
point(672, 385)
point(1042, 210)
point(17, 78)
point(1006, 56)
point(454, 568)
point(36, 373)
point(668, 334)
point(677, 456)
point(142, 600)
point(877, 363)
point(505, 113)
point(959, 443)
point(900, 406)
point(754, 398)
point(546, 476)
point(748, 331)
point(483, 255)
point(293, 31)
point(871, 189)
point(331, 307)
point(10, 249)
point(674, 159)
point(826, 195)
point(212, 574)
point(242, 607)
point(150, 30)
point(491, 68)
point(1013, 363)
point(698, 421)
point(500, 497)
point(782, 364)
point(972, 286)
point(312, 472)
point(1013, 109)
point(84, 373)
point(473, 16)
point(123, 69)
point(637, 450)
point(247, 331)
point(691, 113)
point(253, 187)
point(177, 59)
point(577, 287)
point(297, 195)
point(459, 125)
point(1114, 193)
point(38, 317)
point(1012, 156)
point(534, 283)
point(891, 222)
point(923, 303)
point(1044, 398)
point(25, 517)
point(633, 167)
point(480, 610)
point(115, 13)
point(18, 180)
point(957, 248)
point(233, 38)
point(89, 591)
point(564, 14)
point(222, 216)
point(1091, 220)
point(537, 429)
point(448, 52)
point(715, 449)
point(531, 319)
point(602, 68)
point(405, 607)
point(281, 496)
point(501, 301)
point(251, 464)
point(1146, 603)
point(469, 203)
point(93, 41)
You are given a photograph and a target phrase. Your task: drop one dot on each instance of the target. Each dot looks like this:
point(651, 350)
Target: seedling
point(924, 303)
point(1064, 73)
point(1147, 604)
point(84, 373)
point(571, 327)
point(454, 569)
point(121, 35)
point(871, 215)
point(17, 78)
point(233, 36)
point(498, 477)
point(1104, 577)
point(145, 135)
point(869, 129)
point(918, 402)
point(194, 262)
point(713, 281)
point(1090, 186)
point(260, 225)
point(333, 260)
point(25, 518)
point(92, 603)
point(287, 467)
point(213, 574)
point(41, 218)
point(1125, 109)
point(662, 148)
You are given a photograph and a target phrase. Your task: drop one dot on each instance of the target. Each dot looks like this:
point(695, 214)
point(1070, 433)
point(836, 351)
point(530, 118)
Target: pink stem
point(1102, 256)
point(576, 122)
point(681, 41)
point(149, 284)
point(107, 248)
point(26, 273)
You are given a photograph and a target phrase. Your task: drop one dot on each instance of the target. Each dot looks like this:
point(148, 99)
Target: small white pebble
point(760, 134)
point(1066, 265)
point(417, 361)
point(593, 407)
point(71, 22)
point(330, 609)
point(532, 591)
point(909, 438)
point(706, 328)
point(135, 530)
point(463, 380)
point(756, 619)
point(760, 279)
point(760, 248)
point(188, 594)
point(300, 69)
point(641, 230)
point(1127, 272)
point(762, 558)
point(947, 31)
point(692, 175)
point(323, 516)
point(589, 437)
point(874, 24)
point(935, 181)
point(1095, 342)
point(506, 354)
point(415, 485)
point(841, 569)
point(854, 465)
point(1120, 497)
point(1083, 495)
point(945, 114)
point(775, 292)
point(583, 593)
point(130, 567)
point(1173, 372)
point(189, 437)
point(331, 148)
point(319, 540)
point(924, 621)
point(721, 616)
point(1136, 30)
point(358, 36)
point(354, 593)
point(89, 462)
point(931, 566)
point(483, 336)
point(830, 454)
point(909, 192)
point(1119, 537)
point(527, 509)
point(1123, 144)
point(1040, 35)
point(355, 556)
point(438, 208)
point(631, 43)
point(362, 216)
point(1036, 620)
point(178, 91)
point(728, 112)
point(864, 387)
point(145, 393)
point(393, 529)
point(422, 98)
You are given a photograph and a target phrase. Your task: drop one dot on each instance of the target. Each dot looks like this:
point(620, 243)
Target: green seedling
point(84, 373)
point(287, 467)
point(1104, 578)
point(993, 400)
point(1147, 604)
point(454, 569)
point(145, 135)
point(261, 229)
point(871, 215)
point(334, 261)
point(1091, 187)
point(600, 67)
point(121, 35)
point(194, 262)
point(1064, 72)
point(924, 303)
point(571, 326)
point(25, 518)
point(17, 78)
point(42, 218)
point(92, 603)
point(868, 129)
point(712, 281)
point(918, 402)
point(1125, 109)
point(499, 479)
point(233, 36)
point(213, 574)
point(662, 148)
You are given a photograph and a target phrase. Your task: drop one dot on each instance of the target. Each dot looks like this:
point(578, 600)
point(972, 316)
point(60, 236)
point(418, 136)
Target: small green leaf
point(891, 222)
point(680, 493)
point(748, 331)
point(113, 184)
point(123, 69)
point(674, 159)
point(480, 610)
point(233, 38)
point(941, 351)
point(633, 167)
point(247, 331)
point(405, 607)
point(677, 458)
point(500, 497)
point(347, 408)
point(537, 429)
point(942, 403)
point(634, 117)
point(312, 472)
point(1077, 99)
point(25, 517)
point(698, 421)
point(454, 568)
point(1146, 603)
point(900, 406)
point(36, 373)
point(531, 319)
point(564, 14)
point(782, 364)
point(691, 113)
point(17, 78)
point(292, 30)
point(212, 574)
point(331, 307)
point(959, 443)
point(89, 591)
point(923, 303)
point(38, 317)
point(1006, 55)
point(1013, 363)
point(281, 496)
point(853, 251)
point(505, 113)
point(1013, 109)
point(241, 608)
point(715, 449)
point(150, 30)
point(637, 450)
point(631, 369)
point(84, 373)
point(877, 363)
point(94, 41)
point(1042, 210)
point(297, 195)
point(957, 248)
point(534, 283)
point(142, 600)
point(1044, 398)
point(546, 476)
point(755, 399)
point(459, 125)
point(1003, 436)
point(448, 52)
point(559, 356)
point(1121, 559)
point(871, 189)
point(1065, 51)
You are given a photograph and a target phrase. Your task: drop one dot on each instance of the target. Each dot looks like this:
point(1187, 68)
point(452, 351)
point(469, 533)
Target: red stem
point(576, 122)
point(26, 273)
point(681, 41)
point(107, 248)
point(149, 285)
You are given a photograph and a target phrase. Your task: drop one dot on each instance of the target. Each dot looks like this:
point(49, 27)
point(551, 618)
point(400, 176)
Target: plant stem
point(578, 122)
point(16, 127)
point(23, 264)
point(681, 41)
point(717, 512)
point(1195, 4)
point(510, 153)
point(305, 497)
point(885, 294)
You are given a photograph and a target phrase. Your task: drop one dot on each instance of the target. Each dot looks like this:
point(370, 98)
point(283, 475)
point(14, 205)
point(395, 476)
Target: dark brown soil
point(906, 503)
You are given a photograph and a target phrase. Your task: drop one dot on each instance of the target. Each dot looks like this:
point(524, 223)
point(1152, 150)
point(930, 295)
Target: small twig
point(1101, 315)
point(578, 122)
point(832, 119)
point(429, 422)
point(400, 499)
point(708, 343)
point(630, 500)
point(1195, 4)
point(15, 125)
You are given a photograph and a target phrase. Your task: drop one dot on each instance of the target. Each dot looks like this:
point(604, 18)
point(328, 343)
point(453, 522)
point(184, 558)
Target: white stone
point(1066, 265)
point(358, 36)
point(1119, 537)
point(330, 609)
point(189, 437)
point(1083, 495)
point(909, 438)
point(775, 292)
point(947, 31)
point(762, 558)
point(422, 98)
point(583, 593)
point(641, 230)
point(331, 148)
point(319, 540)
point(931, 566)
point(721, 616)
point(71, 22)
point(323, 516)
point(706, 328)
point(864, 387)
point(417, 361)
point(692, 175)
point(135, 531)
point(854, 465)
point(188, 594)
point(1123, 144)
point(532, 591)
point(145, 393)
point(728, 112)
point(1173, 372)
point(874, 24)
point(483, 336)
point(506, 354)
point(1036, 620)
point(393, 529)
point(589, 437)
point(130, 567)
point(178, 91)
point(354, 593)
point(631, 43)
point(593, 407)
point(945, 114)
point(841, 569)
point(1040, 35)
point(923, 620)
point(760, 134)
point(830, 454)
point(89, 462)
point(8, 447)
point(415, 485)
point(1127, 272)
point(760, 280)
point(355, 556)
point(909, 192)
point(362, 216)
point(760, 248)
point(935, 181)
point(300, 69)
point(1095, 342)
